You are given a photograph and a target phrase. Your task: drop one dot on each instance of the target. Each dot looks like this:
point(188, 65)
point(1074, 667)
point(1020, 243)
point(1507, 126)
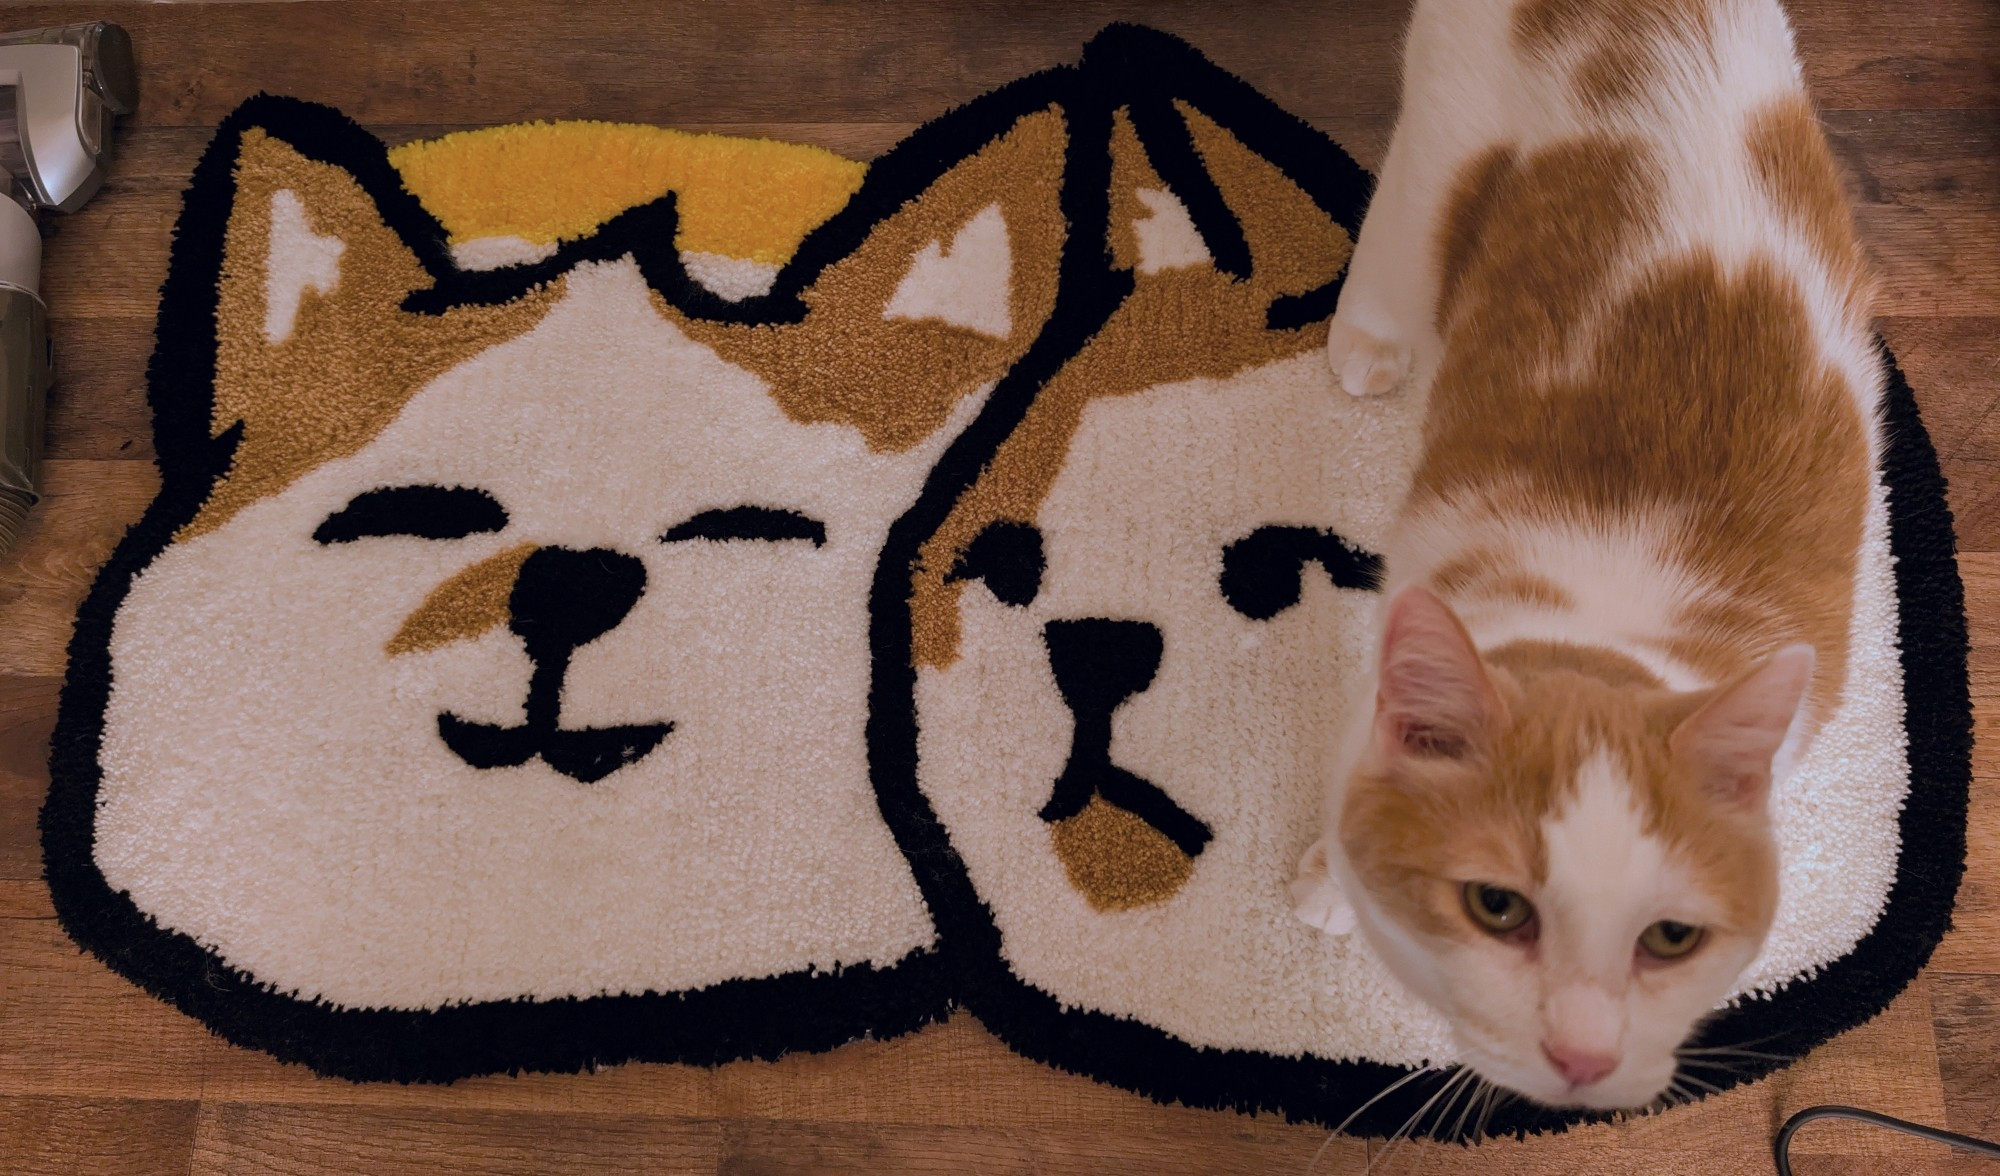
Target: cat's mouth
point(586, 755)
point(562, 600)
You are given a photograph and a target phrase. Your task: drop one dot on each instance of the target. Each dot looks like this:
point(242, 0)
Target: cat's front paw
point(1365, 363)
point(1317, 898)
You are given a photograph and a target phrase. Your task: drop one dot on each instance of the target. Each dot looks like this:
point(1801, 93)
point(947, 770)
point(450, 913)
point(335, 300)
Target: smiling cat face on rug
point(522, 650)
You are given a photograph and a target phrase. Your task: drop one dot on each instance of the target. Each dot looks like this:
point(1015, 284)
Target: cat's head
point(1570, 862)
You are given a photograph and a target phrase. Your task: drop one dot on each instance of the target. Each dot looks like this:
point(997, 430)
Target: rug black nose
point(1100, 663)
point(564, 598)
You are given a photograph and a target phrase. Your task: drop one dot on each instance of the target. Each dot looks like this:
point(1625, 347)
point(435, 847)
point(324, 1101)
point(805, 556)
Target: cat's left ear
point(1731, 741)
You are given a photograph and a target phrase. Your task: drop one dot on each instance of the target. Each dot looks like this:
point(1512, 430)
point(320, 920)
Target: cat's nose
point(1578, 1067)
point(564, 598)
point(1098, 663)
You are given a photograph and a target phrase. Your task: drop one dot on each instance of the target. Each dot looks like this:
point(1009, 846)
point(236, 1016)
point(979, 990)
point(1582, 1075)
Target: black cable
point(1782, 1146)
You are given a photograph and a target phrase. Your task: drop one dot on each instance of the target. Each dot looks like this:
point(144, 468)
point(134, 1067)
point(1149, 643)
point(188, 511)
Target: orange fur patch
point(1554, 405)
point(1797, 172)
point(1619, 47)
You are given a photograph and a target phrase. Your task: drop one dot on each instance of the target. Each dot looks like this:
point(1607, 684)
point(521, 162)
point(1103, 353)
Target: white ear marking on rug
point(1167, 237)
point(300, 259)
point(731, 279)
point(489, 253)
point(968, 285)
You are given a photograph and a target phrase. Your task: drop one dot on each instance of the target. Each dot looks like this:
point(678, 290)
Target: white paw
point(1317, 899)
point(1365, 364)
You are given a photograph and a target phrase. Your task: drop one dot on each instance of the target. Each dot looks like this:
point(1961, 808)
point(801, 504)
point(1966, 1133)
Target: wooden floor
point(96, 1077)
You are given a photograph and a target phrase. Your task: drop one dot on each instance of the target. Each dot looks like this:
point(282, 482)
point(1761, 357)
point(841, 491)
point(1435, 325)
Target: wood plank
point(1953, 366)
point(42, 1136)
point(27, 715)
point(1919, 157)
point(617, 59)
point(25, 898)
point(85, 508)
point(768, 1148)
point(259, 1140)
point(1974, 942)
point(1933, 260)
point(70, 1026)
point(1965, 1009)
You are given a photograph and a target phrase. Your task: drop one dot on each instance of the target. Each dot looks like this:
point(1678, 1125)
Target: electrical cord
point(1782, 1146)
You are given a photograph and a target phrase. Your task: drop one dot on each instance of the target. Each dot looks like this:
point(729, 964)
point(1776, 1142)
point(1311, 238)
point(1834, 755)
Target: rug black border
point(1135, 62)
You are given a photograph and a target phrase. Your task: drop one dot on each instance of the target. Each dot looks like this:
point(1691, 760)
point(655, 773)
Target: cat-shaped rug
point(624, 595)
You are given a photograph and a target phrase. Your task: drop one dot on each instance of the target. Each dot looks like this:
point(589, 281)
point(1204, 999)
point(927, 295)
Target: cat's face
point(543, 589)
point(1574, 868)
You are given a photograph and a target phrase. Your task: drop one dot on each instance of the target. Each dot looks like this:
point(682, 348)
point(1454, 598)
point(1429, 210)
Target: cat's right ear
point(1433, 699)
point(314, 352)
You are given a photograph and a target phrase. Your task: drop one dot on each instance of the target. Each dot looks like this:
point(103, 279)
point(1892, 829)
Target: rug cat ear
point(1186, 193)
point(1732, 740)
point(314, 353)
point(941, 296)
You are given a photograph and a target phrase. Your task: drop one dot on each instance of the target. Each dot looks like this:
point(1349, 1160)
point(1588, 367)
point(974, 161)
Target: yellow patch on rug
point(754, 199)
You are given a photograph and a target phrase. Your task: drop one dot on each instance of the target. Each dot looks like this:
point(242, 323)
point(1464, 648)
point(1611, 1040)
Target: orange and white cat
point(1610, 245)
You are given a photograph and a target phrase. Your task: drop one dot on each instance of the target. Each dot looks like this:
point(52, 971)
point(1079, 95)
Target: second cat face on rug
point(1610, 246)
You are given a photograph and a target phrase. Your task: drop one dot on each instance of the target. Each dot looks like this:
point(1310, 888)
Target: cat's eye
point(761, 523)
point(1262, 571)
point(422, 512)
point(1496, 908)
point(1668, 940)
point(1007, 556)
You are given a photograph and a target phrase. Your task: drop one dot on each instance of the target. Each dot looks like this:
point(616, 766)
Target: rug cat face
point(550, 595)
point(1165, 556)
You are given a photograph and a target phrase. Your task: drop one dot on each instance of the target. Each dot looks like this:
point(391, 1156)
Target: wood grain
point(95, 1076)
point(86, 1136)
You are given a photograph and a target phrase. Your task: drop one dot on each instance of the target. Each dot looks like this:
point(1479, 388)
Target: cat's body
point(1611, 243)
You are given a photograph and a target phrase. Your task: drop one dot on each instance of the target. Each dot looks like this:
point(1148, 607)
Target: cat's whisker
point(1460, 1083)
point(1723, 1067)
point(1402, 1133)
point(1385, 1092)
point(1740, 1049)
point(1475, 1089)
point(1731, 1052)
point(1496, 1097)
point(1321, 1153)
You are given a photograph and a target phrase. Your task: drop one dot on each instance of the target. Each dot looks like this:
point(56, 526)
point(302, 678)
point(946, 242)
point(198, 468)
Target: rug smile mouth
point(585, 755)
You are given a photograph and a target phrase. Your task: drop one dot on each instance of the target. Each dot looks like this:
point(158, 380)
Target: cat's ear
point(307, 258)
point(314, 353)
point(1433, 698)
point(943, 293)
point(1731, 741)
